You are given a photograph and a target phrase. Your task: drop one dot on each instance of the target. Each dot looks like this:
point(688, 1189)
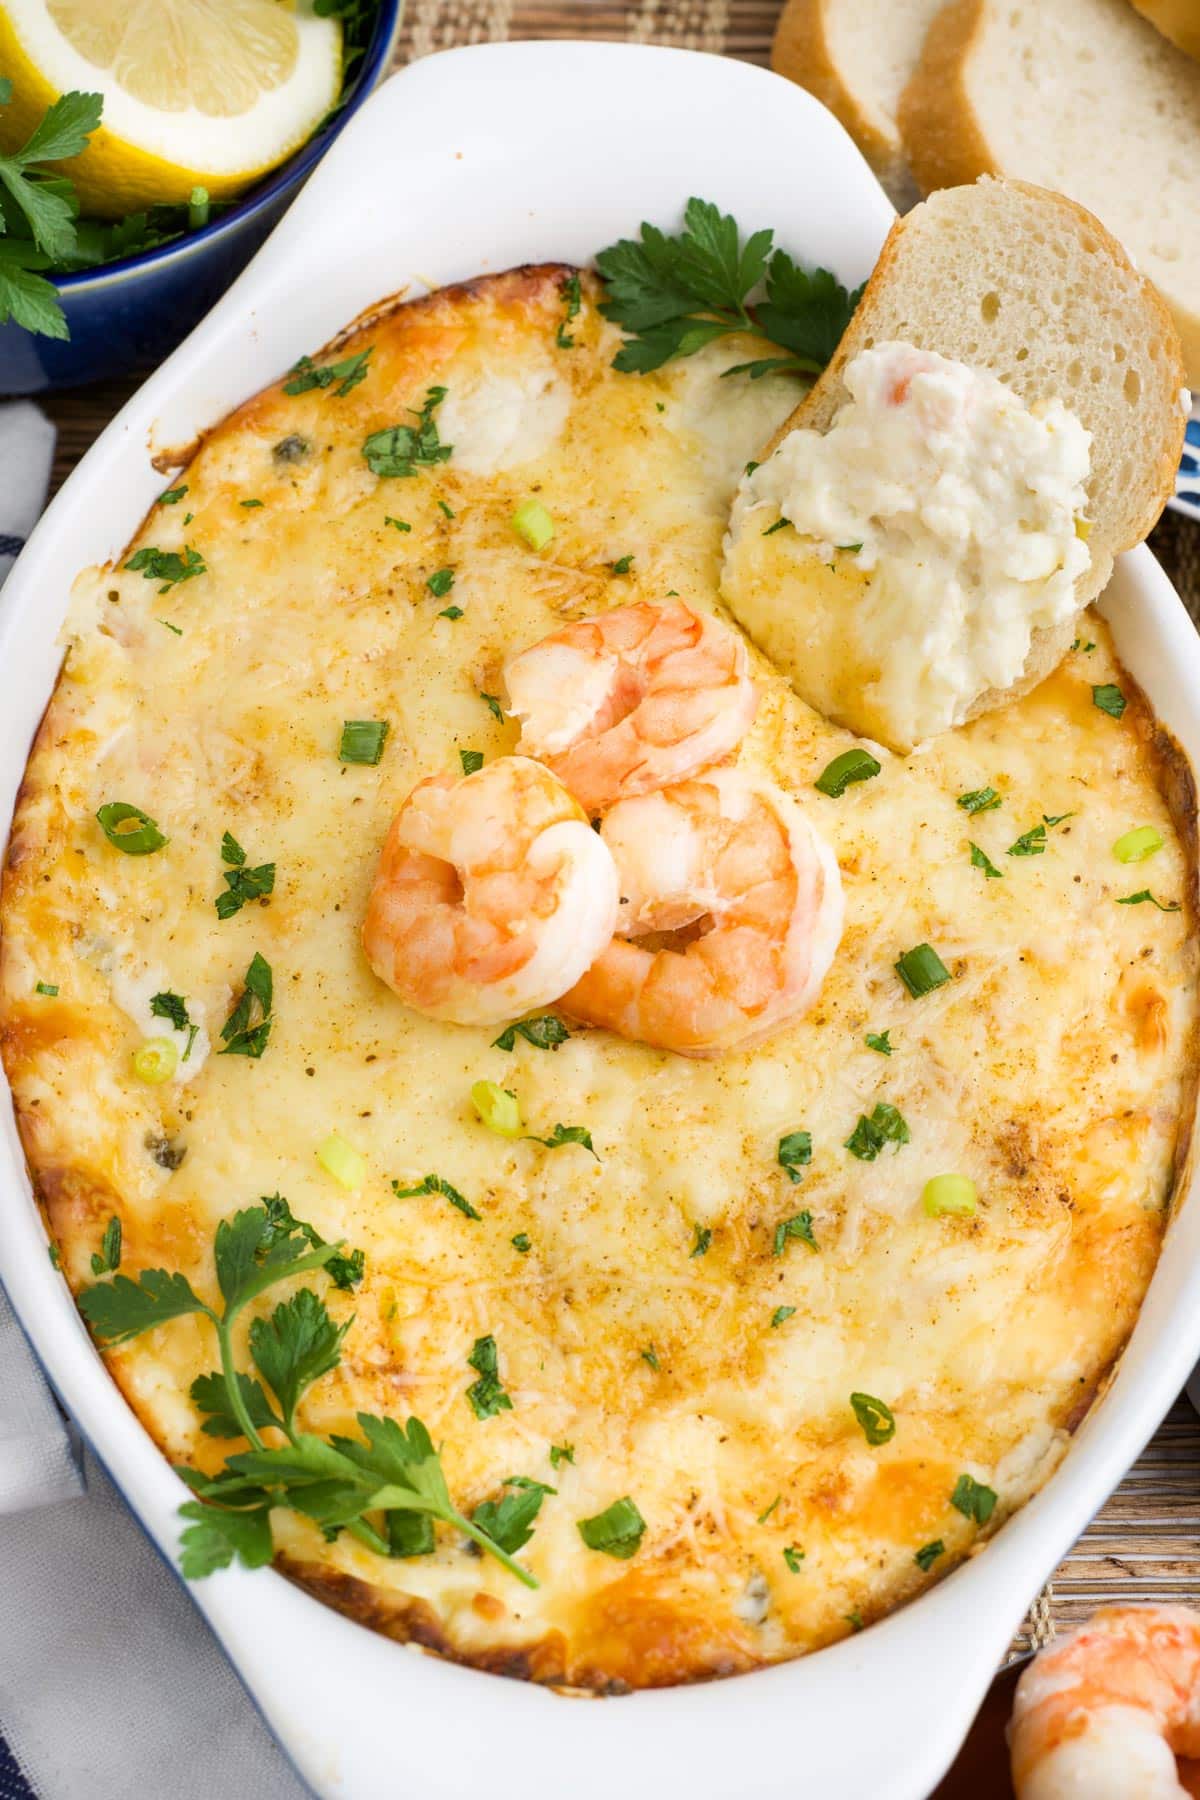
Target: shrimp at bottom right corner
point(1105, 1713)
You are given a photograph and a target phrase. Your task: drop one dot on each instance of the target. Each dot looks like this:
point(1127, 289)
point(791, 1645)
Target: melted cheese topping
point(1053, 1069)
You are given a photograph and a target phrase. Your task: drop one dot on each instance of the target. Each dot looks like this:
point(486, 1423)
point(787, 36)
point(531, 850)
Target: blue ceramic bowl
point(129, 314)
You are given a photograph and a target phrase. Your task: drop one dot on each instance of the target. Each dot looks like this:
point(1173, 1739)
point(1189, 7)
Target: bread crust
point(1178, 20)
point(945, 144)
point(941, 138)
point(801, 51)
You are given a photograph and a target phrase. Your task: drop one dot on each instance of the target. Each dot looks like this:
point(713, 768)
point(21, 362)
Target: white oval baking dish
point(471, 161)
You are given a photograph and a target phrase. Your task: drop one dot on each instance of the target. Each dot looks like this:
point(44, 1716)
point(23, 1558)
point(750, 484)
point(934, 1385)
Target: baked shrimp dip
point(590, 1158)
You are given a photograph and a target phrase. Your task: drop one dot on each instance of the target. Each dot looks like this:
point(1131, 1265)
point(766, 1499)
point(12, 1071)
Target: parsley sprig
point(357, 1485)
point(673, 295)
point(38, 211)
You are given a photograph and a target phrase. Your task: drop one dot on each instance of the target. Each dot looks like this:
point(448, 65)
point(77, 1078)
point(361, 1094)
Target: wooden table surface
point(1144, 1543)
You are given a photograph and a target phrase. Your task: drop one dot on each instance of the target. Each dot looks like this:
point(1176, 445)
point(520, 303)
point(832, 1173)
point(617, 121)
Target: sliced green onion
point(851, 765)
point(533, 524)
point(877, 1420)
point(498, 1108)
point(363, 741)
point(956, 1195)
point(129, 829)
point(198, 208)
point(793, 1556)
point(617, 1531)
point(471, 760)
point(921, 970)
point(48, 988)
point(347, 1165)
point(155, 1061)
point(1138, 844)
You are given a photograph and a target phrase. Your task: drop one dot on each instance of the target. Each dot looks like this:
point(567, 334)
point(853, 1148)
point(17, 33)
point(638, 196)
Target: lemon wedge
point(197, 93)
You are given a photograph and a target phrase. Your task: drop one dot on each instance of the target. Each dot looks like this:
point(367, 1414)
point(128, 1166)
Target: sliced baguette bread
point(1026, 285)
point(856, 57)
point(1080, 95)
point(1177, 19)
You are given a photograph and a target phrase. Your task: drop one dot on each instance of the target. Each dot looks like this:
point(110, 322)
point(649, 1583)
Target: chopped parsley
point(249, 503)
point(561, 1453)
point(701, 1240)
point(167, 566)
point(799, 1227)
point(877, 1420)
point(650, 1356)
point(544, 1033)
point(973, 1500)
point(48, 988)
point(928, 1554)
point(399, 524)
point(566, 1134)
point(781, 1314)
point(880, 1041)
point(1144, 894)
point(870, 1135)
point(434, 1184)
point(793, 1556)
point(107, 1260)
point(172, 495)
point(979, 800)
point(402, 449)
point(622, 566)
point(981, 860)
point(1033, 841)
point(440, 583)
point(362, 741)
point(765, 1514)
point(451, 612)
point(777, 526)
point(448, 510)
point(522, 1242)
point(347, 373)
point(794, 1154)
point(509, 1520)
point(850, 766)
point(572, 303)
point(169, 626)
point(493, 705)
point(242, 884)
point(239, 1036)
point(487, 1395)
point(1109, 698)
point(673, 295)
point(617, 1531)
point(174, 1007)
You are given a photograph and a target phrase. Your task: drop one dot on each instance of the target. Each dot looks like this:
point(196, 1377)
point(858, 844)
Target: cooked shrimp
point(734, 863)
point(493, 895)
point(1104, 1712)
point(632, 700)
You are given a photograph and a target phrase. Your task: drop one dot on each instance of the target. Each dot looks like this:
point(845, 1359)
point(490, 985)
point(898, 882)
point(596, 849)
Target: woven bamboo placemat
point(1143, 1545)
